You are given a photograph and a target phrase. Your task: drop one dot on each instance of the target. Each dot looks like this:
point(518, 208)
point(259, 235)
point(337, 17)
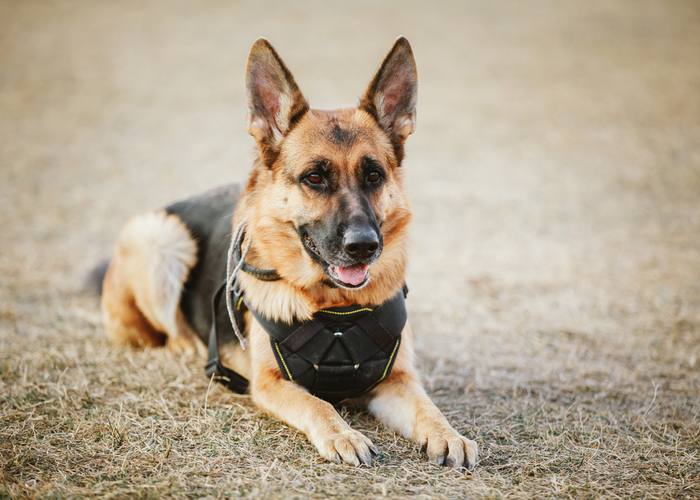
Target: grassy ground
point(555, 279)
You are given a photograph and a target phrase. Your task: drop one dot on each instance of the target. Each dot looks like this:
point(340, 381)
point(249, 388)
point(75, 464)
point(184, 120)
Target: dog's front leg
point(286, 401)
point(401, 402)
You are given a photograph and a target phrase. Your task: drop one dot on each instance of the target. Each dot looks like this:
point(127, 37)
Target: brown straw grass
point(82, 419)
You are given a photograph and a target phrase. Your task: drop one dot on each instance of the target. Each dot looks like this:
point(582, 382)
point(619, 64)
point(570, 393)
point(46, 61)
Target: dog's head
point(332, 179)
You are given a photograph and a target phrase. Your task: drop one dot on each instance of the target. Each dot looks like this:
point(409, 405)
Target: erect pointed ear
point(392, 94)
point(275, 102)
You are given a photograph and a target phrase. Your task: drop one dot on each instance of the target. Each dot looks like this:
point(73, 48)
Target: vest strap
point(302, 335)
point(214, 368)
point(374, 329)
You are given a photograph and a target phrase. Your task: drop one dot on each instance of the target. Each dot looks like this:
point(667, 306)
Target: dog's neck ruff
point(342, 352)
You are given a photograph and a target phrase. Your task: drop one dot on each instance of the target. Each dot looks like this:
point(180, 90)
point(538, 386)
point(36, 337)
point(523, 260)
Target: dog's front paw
point(348, 446)
point(449, 448)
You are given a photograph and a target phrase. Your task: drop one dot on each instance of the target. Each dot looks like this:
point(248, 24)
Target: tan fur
point(401, 403)
point(155, 253)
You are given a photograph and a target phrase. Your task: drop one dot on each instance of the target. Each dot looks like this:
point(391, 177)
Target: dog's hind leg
point(141, 292)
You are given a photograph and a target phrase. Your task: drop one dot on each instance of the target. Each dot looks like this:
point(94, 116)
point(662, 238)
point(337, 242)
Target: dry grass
point(555, 270)
point(81, 419)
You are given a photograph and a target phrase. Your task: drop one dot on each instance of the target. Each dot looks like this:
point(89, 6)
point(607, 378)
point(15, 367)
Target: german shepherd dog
point(323, 218)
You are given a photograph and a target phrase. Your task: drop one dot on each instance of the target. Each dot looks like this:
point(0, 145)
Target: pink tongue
point(352, 275)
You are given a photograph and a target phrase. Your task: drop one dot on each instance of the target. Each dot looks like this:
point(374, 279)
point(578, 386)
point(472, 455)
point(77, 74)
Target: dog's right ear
point(275, 102)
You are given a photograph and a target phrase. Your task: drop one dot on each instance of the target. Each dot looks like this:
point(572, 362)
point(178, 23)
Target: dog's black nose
point(360, 243)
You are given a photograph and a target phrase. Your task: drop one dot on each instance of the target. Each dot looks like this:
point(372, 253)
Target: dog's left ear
point(392, 94)
point(275, 102)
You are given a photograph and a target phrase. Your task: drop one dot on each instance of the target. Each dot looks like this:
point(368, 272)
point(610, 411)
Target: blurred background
point(554, 173)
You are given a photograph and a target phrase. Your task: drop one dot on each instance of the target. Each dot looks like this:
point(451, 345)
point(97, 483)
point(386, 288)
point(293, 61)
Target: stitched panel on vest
point(333, 397)
point(375, 330)
point(305, 378)
point(392, 315)
point(337, 354)
point(334, 378)
point(371, 372)
point(359, 344)
point(315, 351)
point(300, 368)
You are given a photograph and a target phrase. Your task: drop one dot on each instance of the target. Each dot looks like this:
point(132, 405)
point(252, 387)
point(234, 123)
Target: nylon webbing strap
point(302, 335)
point(375, 330)
point(229, 378)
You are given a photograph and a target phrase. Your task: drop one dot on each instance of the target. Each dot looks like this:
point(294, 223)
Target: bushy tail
point(94, 279)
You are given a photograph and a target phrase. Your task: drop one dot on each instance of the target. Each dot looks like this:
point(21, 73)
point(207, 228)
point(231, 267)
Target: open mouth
point(354, 276)
point(351, 275)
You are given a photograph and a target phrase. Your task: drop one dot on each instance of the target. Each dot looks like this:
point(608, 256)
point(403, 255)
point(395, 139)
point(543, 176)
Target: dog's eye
point(314, 178)
point(374, 176)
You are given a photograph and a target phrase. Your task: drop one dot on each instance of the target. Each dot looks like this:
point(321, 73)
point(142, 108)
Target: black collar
point(261, 274)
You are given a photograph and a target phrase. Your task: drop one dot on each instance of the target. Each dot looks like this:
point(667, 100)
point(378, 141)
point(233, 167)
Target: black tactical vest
point(341, 353)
